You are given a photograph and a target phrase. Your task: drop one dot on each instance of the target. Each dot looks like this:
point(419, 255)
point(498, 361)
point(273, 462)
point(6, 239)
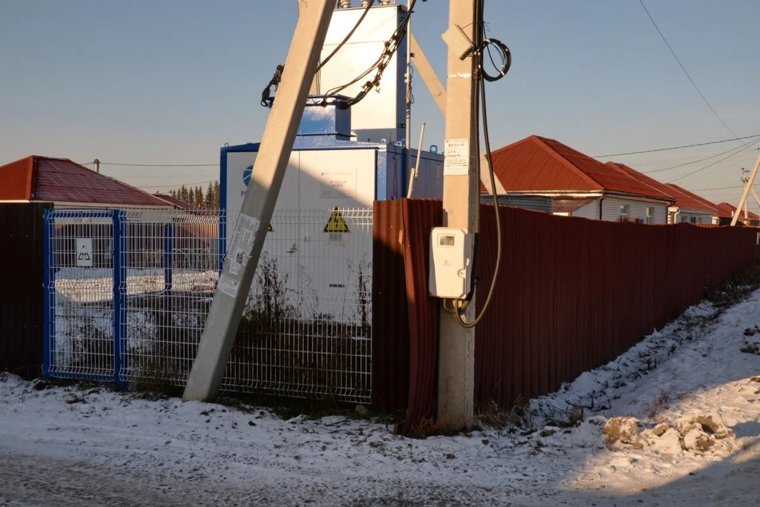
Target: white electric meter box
point(450, 263)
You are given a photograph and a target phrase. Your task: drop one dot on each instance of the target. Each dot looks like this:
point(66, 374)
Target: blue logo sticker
point(247, 175)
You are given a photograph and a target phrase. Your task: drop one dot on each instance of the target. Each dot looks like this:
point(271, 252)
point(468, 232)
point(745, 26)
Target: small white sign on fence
point(84, 252)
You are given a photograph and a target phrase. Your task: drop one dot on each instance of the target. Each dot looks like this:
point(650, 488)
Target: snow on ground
point(79, 445)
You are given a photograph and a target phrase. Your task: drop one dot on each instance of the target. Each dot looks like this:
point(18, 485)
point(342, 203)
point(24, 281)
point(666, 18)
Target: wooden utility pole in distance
point(745, 192)
point(260, 198)
point(456, 384)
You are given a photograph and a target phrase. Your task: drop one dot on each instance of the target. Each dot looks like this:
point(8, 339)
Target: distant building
point(690, 207)
point(686, 207)
point(578, 185)
point(67, 184)
point(726, 213)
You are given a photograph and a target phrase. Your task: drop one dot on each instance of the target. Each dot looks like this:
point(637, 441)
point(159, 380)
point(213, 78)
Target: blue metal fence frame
point(119, 291)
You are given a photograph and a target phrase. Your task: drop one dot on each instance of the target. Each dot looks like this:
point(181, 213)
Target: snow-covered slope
point(91, 446)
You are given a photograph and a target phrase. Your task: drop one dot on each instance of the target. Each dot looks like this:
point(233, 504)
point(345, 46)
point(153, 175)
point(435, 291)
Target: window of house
point(625, 211)
point(649, 216)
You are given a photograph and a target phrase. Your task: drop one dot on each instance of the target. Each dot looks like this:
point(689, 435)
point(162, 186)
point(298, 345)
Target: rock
point(697, 440)
point(361, 411)
point(660, 429)
point(712, 424)
point(622, 430)
point(546, 432)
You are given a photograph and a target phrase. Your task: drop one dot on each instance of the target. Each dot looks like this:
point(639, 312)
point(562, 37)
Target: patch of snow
point(83, 445)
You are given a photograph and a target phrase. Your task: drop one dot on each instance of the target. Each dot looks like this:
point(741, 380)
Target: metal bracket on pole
point(260, 198)
point(745, 193)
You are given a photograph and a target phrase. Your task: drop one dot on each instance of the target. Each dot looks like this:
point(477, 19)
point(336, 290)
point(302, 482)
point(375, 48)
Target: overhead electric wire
point(125, 164)
point(670, 148)
point(693, 83)
point(700, 160)
point(176, 185)
point(692, 173)
point(347, 37)
point(717, 188)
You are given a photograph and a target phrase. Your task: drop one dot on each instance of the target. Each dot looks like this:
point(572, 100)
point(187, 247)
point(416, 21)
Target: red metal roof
point(657, 186)
point(16, 180)
point(538, 164)
point(691, 201)
point(726, 210)
point(60, 180)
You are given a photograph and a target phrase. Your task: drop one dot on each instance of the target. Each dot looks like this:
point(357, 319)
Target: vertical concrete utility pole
point(260, 198)
point(456, 385)
point(745, 193)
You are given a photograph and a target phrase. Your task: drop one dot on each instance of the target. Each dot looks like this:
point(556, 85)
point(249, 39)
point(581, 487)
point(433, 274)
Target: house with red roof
point(726, 213)
point(687, 207)
point(67, 184)
point(691, 208)
point(578, 185)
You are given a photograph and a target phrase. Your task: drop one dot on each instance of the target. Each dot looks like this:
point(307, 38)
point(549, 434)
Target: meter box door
point(450, 263)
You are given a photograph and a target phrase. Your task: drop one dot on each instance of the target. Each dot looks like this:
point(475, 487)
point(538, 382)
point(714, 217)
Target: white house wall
point(691, 217)
point(636, 210)
point(591, 210)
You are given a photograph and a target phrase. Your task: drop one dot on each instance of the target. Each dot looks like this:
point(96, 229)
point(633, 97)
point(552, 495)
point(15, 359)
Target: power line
point(175, 185)
point(126, 164)
point(700, 160)
point(717, 188)
point(692, 173)
point(684, 69)
point(670, 148)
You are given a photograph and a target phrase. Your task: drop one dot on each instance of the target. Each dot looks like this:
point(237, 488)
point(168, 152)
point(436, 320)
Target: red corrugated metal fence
point(572, 294)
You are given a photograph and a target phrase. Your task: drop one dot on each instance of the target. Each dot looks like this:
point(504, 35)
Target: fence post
point(48, 298)
point(119, 292)
point(167, 258)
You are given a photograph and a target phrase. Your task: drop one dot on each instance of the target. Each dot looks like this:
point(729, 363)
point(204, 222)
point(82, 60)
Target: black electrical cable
point(481, 77)
point(266, 94)
point(506, 59)
point(347, 37)
point(390, 48)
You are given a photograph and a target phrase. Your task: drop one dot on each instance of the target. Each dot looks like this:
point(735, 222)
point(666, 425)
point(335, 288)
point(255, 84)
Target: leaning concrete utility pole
point(456, 377)
point(745, 193)
point(260, 199)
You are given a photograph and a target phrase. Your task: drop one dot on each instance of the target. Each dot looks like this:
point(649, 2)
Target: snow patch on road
point(88, 445)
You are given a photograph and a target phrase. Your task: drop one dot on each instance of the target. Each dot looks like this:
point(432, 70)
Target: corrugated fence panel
point(419, 217)
point(574, 293)
point(390, 321)
point(21, 237)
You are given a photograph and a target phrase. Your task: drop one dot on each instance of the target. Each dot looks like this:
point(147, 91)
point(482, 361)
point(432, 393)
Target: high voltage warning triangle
point(84, 255)
point(336, 222)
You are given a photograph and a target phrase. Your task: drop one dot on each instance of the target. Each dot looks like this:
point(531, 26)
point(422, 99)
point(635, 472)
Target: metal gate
point(128, 292)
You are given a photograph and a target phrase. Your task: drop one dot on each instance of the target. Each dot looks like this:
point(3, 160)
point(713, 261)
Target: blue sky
point(169, 82)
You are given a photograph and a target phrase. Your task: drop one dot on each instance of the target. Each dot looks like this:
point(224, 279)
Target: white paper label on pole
point(228, 286)
point(245, 232)
point(242, 243)
point(457, 157)
point(84, 252)
point(237, 260)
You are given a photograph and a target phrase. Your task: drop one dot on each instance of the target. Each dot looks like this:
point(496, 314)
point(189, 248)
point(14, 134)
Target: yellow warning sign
point(336, 222)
